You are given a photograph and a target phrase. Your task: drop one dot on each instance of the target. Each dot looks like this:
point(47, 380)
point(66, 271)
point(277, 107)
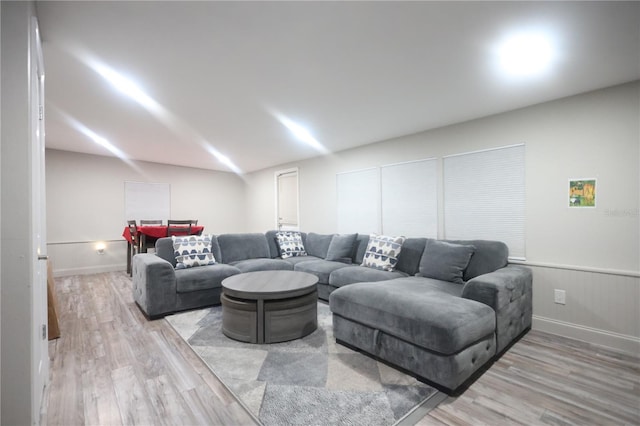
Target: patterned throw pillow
point(382, 252)
point(192, 251)
point(290, 244)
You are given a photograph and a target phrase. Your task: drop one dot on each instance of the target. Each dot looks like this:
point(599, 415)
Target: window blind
point(484, 196)
point(409, 199)
point(358, 202)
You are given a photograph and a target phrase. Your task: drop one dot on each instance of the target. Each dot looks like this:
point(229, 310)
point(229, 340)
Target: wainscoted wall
point(82, 257)
point(602, 306)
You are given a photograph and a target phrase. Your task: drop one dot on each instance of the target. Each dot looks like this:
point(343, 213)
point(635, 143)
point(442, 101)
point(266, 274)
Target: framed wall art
point(582, 192)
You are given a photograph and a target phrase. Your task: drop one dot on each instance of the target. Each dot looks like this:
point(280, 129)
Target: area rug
point(309, 381)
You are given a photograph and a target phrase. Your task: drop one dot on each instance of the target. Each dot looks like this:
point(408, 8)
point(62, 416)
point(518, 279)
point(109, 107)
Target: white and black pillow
point(382, 252)
point(290, 244)
point(192, 251)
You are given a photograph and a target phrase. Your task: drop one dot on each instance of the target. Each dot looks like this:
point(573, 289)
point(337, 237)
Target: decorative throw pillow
point(341, 247)
point(192, 251)
point(290, 243)
point(382, 252)
point(445, 261)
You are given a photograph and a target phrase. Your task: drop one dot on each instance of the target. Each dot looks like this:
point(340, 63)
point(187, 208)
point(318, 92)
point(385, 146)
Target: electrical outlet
point(560, 297)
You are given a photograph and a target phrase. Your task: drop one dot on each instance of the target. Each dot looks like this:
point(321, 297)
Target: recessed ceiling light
point(526, 54)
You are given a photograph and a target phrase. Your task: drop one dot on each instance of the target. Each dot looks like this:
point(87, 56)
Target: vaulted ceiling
point(210, 84)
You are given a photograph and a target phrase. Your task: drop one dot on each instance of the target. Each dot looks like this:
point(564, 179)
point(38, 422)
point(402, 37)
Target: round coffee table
point(269, 306)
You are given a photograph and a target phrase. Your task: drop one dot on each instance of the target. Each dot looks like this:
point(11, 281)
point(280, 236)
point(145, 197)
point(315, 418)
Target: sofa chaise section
point(438, 330)
point(416, 326)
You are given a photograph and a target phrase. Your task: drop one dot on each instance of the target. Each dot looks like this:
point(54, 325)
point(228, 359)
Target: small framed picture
point(582, 192)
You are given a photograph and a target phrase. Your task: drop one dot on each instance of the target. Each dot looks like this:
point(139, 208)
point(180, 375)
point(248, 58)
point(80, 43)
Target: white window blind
point(358, 201)
point(147, 201)
point(409, 199)
point(484, 197)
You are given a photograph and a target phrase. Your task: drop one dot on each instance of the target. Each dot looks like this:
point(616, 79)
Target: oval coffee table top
point(269, 285)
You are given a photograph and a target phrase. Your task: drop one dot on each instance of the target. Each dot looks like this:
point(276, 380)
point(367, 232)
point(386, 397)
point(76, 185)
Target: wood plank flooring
point(113, 367)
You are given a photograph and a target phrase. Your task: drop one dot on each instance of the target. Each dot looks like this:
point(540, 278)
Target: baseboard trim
point(616, 341)
point(88, 270)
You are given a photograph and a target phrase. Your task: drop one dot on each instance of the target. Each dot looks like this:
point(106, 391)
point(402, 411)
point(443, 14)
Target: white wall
point(85, 205)
point(590, 135)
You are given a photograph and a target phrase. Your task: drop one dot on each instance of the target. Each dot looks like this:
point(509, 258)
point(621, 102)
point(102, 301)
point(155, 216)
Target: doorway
point(287, 206)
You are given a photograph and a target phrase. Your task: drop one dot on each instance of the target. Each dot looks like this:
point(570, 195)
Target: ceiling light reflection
point(526, 54)
point(124, 85)
point(223, 159)
point(96, 138)
point(302, 133)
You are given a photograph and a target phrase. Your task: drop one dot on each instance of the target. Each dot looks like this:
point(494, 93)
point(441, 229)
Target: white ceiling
point(353, 72)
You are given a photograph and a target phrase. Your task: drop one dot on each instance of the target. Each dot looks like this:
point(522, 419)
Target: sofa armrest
point(154, 285)
point(499, 288)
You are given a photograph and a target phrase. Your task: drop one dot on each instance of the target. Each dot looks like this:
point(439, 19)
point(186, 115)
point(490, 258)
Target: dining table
point(147, 235)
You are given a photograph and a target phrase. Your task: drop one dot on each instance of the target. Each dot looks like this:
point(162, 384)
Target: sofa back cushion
point(272, 241)
point(236, 247)
point(341, 247)
point(488, 256)
point(360, 248)
point(410, 255)
point(446, 261)
point(165, 250)
point(317, 244)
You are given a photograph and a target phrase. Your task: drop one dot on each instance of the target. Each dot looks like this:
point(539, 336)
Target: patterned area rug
point(309, 381)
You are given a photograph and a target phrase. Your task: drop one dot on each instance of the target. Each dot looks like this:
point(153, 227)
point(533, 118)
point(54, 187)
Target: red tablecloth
point(157, 231)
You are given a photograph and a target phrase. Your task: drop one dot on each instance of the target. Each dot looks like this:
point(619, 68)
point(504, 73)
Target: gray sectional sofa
point(435, 317)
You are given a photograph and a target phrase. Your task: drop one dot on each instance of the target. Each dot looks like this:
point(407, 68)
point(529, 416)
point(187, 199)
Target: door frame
point(39, 326)
point(276, 175)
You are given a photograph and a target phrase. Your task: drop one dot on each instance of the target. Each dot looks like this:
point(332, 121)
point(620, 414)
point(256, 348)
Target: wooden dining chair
point(134, 246)
point(150, 222)
point(178, 227)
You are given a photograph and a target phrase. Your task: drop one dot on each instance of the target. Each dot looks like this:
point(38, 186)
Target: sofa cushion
point(318, 244)
point(489, 256)
point(361, 243)
point(192, 251)
point(320, 268)
point(251, 265)
point(409, 259)
point(382, 252)
point(290, 244)
point(341, 247)
point(445, 261)
point(203, 278)
point(416, 313)
point(356, 274)
point(236, 247)
point(295, 260)
point(272, 242)
point(444, 286)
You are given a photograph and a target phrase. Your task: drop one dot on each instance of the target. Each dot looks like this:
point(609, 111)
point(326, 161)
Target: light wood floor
point(111, 366)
